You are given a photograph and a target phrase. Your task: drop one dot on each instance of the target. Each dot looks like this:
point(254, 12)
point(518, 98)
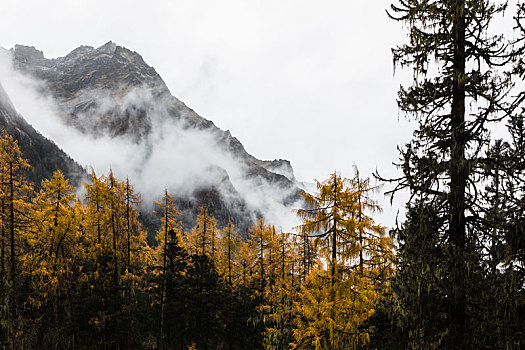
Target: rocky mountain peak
point(108, 48)
point(77, 53)
point(28, 55)
point(107, 67)
point(281, 167)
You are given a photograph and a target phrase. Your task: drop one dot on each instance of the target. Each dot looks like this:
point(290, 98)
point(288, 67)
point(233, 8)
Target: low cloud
point(169, 154)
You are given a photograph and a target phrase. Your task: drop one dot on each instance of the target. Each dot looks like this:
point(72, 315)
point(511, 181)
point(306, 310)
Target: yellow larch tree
point(14, 194)
point(247, 260)
point(115, 201)
point(202, 240)
point(117, 251)
point(274, 252)
point(340, 296)
point(15, 190)
point(229, 244)
point(170, 224)
point(305, 254)
point(374, 257)
point(281, 292)
point(260, 240)
point(54, 255)
point(97, 208)
point(135, 248)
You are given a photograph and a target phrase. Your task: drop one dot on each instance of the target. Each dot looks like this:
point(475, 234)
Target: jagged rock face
point(43, 155)
point(111, 91)
point(88, 68)
point(86, 77)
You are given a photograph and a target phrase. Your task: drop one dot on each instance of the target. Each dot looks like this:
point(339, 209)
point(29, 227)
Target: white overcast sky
point(309, 81)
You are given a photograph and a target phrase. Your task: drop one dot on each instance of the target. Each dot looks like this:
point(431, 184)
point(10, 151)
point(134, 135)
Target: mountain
point(110, 93)
point(43, 155)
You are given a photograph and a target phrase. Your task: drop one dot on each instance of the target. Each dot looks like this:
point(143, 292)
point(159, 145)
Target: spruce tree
point(458, 93)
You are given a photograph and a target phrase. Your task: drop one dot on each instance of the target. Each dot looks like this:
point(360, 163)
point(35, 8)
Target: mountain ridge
point(111, 92)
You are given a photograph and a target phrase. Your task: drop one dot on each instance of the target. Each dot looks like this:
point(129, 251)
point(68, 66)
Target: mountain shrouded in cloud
point(108, 109)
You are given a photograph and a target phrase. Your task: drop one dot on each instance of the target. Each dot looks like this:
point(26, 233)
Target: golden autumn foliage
point(203, 238)
point(227, 260)
point(55, 239)
point(341, 293)
point(78, 272)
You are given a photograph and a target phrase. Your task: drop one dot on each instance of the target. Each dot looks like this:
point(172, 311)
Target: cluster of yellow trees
point(78, 270)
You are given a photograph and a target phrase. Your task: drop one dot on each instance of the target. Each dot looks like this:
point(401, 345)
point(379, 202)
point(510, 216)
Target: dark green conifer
point(458, 94)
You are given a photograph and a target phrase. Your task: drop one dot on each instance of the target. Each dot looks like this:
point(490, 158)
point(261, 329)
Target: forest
point(76, 271)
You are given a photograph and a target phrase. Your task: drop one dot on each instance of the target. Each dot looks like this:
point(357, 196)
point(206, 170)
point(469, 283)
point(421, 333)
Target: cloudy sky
point(309, 81)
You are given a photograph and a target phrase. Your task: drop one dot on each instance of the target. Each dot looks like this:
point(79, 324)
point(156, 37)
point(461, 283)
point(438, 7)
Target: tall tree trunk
point(213, 245)
point(283, 261)
point(458, 180)
point(270, 257)
point(114, 229)
point(361, 234)
point(130, 279)
point(305, 261)
point(98, 220)
point(229, 253)
point(3, 236)
point(262, 257)
point(12, 227)
point(333, 263)
point(163, 282)
point(204, 234)
point(14, 287)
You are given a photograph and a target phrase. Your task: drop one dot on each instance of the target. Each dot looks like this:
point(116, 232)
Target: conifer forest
point(81, 267)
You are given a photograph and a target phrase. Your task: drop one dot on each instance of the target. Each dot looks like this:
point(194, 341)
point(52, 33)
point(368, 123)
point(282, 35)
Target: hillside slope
point(43, 155)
